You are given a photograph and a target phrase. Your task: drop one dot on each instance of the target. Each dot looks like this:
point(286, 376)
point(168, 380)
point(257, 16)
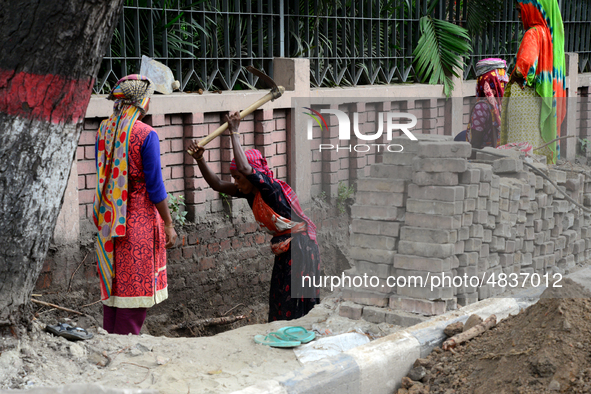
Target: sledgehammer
point(276, 92)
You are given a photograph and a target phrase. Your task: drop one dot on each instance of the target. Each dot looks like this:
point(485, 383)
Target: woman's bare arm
point(210, 177)
point(241, 162)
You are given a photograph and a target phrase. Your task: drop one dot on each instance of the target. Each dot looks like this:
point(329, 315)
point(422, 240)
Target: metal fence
point(207, 44)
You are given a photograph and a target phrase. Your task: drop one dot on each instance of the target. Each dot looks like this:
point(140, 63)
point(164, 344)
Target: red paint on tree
point(51, 98)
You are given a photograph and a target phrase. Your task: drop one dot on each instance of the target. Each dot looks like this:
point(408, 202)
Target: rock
point(101, 331)
point(402, 391)
point(418, 388)
point(143, 348)
point(77, 351)
point(472, 321)
point(423, 362)
point(161, 360)
point(135, 352)
point(407, 382)
point(417, 373)
point(543, 365)
point(453, 329)
point(554, 386)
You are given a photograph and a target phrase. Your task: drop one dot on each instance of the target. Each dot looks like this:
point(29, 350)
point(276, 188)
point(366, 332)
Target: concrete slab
point(379, 366)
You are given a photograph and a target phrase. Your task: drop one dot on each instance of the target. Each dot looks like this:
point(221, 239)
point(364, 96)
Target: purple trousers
point(123, 321)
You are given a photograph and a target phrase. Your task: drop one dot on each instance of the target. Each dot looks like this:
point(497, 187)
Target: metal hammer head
point(277, 91)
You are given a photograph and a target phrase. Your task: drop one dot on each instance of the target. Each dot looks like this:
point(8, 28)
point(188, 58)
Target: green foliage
point(584, 146)
point(439, 51)
point(176, 205)
point(343, 193)
point(322, 196)
point(226, 201)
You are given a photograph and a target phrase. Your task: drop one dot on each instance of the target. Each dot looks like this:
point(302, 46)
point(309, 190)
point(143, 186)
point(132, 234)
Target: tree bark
point(50, 53)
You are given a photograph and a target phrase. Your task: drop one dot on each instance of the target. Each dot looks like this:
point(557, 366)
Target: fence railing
point(207, 44)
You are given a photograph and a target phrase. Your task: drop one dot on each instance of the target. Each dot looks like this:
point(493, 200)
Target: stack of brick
point(436, 207)
point(431, 213)
point(377, 215)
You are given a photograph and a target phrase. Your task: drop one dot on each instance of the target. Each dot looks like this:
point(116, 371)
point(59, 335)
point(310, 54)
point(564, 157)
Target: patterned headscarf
point(490, 86)
point(541, 62)
point(131, 95)
point(259, 163)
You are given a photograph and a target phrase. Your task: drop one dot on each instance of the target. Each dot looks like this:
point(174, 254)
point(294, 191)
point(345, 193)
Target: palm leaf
point(439, 51)
point(481, 13)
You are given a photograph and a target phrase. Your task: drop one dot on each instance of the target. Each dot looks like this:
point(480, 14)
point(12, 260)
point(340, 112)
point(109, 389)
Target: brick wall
point(264, 130)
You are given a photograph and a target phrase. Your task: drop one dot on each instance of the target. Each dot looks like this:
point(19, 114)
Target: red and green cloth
point(541, 62)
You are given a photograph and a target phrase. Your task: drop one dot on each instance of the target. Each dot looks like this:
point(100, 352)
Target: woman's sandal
point(296, 333)
point(67, 331)
point(274, 340)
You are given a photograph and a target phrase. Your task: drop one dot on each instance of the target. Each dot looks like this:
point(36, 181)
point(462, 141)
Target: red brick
point(247, 228)
point(174, 185)
point(225, 142)
point(92, 124)
point(174, 254)
point(195, 131)
point(268, 150)
point(164, 147)
point(213, 248)
point(178, 172)
point(188, 252)
point(79, 153)
point(264, 127)
point(172, 159)
point(89, 152)
point(259, 238)
point(193, 118)
point(194, 182)
point(237, 243)
point(226, 155)
point(226, 169)
point(87, 138)
point(91, 181)
point(225, 244)
point(193, 239)
point(156, 120)
point(206, 263)
point(280, 124)
point(248, 140)
point(176, 145)
point(86, 196)
point(263, 114)
point(278, 160)
point(282, 173)
point(195, 197)
point(176, 119)
point(172, 131)
point(281, 148)
point(246, 126)
point(279, 136)
point(212, 117)
point(81, 182)
point(263, 139)
point(225, 232)
point(89, 213)
point(214, 155)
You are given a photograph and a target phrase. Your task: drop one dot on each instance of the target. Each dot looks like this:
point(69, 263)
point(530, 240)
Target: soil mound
point(546, 348)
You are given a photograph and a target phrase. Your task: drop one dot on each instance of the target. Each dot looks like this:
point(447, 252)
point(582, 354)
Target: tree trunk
point(50, 53)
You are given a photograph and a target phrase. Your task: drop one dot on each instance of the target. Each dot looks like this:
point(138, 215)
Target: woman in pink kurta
point(130, 211)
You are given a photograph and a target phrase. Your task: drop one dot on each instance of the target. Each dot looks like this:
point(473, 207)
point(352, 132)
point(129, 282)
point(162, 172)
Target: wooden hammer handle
point(269, 96)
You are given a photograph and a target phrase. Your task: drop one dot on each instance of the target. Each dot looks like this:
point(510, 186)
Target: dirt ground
point(546, 348)
point(222, 363)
